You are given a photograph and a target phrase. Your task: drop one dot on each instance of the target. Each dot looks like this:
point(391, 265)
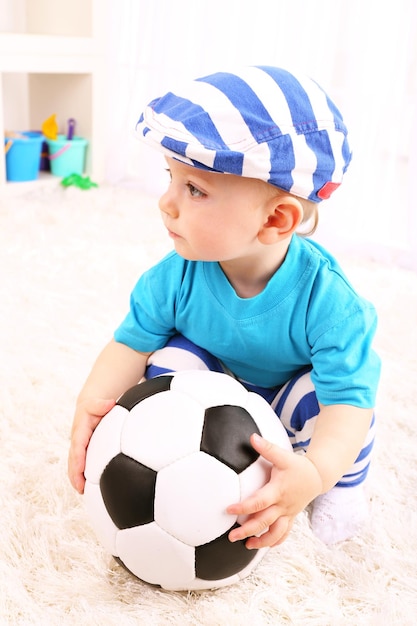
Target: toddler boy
point(251, 154)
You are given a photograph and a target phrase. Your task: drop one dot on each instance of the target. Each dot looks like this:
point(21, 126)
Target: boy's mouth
point(173, 235)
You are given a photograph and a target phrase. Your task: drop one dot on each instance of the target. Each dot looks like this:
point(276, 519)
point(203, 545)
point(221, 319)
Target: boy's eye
point(194, 192)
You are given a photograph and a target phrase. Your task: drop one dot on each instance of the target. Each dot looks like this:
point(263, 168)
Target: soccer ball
point(163, 465)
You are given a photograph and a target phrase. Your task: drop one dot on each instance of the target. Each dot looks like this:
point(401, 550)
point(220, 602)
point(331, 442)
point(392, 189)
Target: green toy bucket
point(23, 155)
point(67, 156)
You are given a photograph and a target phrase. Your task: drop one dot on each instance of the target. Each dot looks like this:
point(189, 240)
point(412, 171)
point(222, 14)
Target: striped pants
point(295, 403)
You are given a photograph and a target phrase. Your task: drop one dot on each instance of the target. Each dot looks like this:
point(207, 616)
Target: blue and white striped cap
point(260, 122)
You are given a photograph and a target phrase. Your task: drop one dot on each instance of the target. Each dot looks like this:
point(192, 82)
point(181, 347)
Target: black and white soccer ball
point(163, 465)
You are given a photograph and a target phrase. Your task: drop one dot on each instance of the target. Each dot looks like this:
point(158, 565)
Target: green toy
point(76, 180)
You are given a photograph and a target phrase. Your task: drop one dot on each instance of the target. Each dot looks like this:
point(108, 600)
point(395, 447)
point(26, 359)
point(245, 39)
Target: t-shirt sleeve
point(346, 369)
point(151, 317)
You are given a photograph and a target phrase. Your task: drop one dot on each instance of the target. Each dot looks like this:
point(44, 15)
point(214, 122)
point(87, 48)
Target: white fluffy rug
point(68, 259)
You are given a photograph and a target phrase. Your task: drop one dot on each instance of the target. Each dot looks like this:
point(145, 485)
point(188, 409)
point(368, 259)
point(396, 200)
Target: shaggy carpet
point(68, 260)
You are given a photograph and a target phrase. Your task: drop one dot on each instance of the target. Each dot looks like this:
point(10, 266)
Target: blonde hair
point(310, 219)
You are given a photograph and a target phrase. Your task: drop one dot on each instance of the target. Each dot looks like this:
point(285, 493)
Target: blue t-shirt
point(307, 315)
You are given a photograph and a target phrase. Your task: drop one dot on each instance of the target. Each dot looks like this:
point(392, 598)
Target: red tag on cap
point(326, 191)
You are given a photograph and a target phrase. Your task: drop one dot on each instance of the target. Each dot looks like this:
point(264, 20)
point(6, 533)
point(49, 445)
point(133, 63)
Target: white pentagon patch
point(191, 497)
point(157, 557)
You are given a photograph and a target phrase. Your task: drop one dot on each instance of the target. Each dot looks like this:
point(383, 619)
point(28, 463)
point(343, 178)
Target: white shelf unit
point(52, 60)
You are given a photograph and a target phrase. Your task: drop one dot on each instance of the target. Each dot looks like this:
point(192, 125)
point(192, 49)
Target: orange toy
point(50, 127)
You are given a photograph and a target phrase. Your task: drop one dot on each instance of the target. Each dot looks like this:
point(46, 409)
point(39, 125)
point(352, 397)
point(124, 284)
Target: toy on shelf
point(23, 153)
point(70, 128)
point(66, 152)
point(8, 137)
point(50, 127)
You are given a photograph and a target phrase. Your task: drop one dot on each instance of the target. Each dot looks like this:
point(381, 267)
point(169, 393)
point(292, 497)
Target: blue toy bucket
point(67, 156)
point(23, 155)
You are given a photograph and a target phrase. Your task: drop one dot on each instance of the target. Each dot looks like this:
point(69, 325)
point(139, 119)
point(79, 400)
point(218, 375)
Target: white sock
point(338, 514)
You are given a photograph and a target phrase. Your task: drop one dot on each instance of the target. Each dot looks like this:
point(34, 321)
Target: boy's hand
point(87, 415)
point(294, 483)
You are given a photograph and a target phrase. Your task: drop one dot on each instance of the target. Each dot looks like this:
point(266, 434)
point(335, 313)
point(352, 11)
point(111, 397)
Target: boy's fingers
point(95, 408)
point(256, 525)
point(271, 451)
point(261, 500)
point(277, 534)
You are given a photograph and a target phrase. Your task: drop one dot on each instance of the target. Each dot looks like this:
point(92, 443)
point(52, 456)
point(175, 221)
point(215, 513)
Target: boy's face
point(213, 217)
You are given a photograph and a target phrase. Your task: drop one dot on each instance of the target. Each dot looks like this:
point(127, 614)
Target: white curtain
point(364, 53)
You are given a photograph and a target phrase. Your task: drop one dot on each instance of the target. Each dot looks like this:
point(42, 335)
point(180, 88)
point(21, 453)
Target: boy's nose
point(167, 204)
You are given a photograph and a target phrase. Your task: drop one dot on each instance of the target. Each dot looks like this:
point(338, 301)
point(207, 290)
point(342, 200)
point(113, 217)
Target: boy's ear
point(283, 218)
